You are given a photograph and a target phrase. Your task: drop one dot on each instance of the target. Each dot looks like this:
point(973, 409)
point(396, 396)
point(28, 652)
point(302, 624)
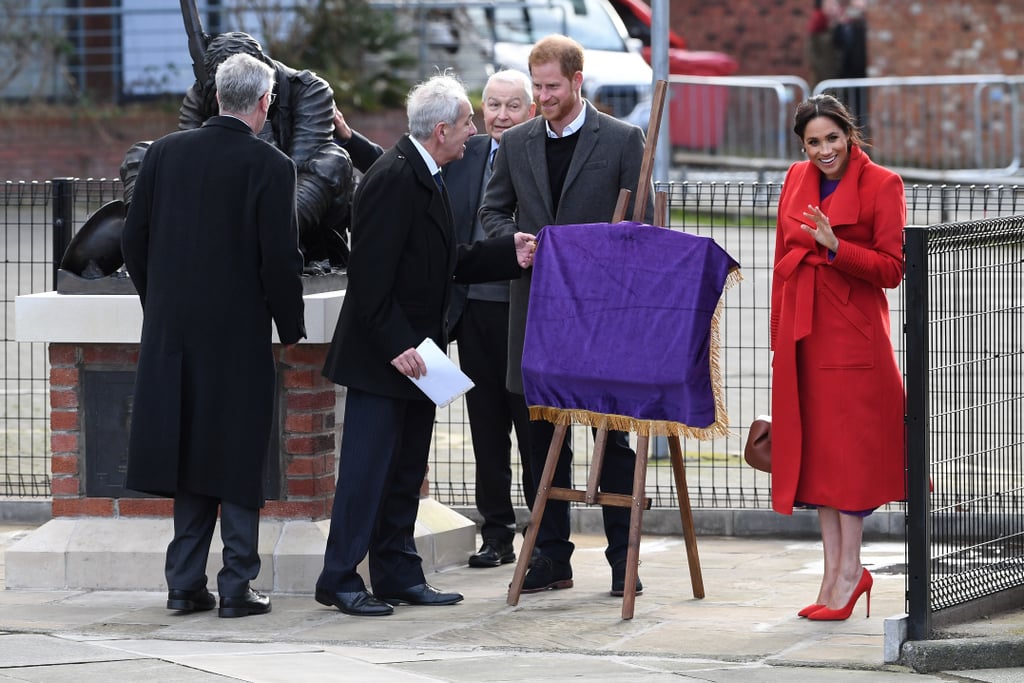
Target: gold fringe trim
point(623, 423)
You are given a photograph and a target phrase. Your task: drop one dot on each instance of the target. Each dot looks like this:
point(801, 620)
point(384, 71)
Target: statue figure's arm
point(192, 113)
point(324, 168)
point(312, 116)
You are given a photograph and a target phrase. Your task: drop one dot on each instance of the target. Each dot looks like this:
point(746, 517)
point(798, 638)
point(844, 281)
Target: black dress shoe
point(619, 580)
point(493, 554)
point(356, 603)
point(199, 600)
point(423, 594)
point(546, 574)
point(250, 602)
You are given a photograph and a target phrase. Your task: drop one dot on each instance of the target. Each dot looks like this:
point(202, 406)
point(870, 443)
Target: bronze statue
point(300, 124)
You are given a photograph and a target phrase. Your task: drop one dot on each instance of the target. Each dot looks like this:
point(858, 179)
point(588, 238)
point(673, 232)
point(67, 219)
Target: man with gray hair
point(403, 262)
point(211, 243)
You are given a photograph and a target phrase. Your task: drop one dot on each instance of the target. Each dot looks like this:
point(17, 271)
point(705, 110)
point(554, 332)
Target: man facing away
point(211, 243)
point(565, 167)
point(404, 260)
point(479, 322)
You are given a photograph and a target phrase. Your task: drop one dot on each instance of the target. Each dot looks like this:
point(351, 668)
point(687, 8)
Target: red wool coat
point(838, 401)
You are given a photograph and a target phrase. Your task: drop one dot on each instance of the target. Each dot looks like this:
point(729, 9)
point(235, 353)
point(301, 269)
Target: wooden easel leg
point(541, 501)
point(636, 519)
point(596, 463)
point(686, 515)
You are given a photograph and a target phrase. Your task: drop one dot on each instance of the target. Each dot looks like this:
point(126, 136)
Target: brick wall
point(307, 443)
point(39, 143)
point(905, 37)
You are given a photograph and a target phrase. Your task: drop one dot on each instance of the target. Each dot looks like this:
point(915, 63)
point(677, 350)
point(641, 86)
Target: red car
point(696, 112)
point(636, 15)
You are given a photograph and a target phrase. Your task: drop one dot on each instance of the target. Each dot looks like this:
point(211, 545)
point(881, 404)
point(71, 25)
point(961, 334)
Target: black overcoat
point(404, 261)
point(211, 244)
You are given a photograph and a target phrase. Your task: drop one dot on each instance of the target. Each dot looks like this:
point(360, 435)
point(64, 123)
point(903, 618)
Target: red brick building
point(905, 37)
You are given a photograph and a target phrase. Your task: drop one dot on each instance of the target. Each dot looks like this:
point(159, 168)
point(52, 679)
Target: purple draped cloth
point(622, 329)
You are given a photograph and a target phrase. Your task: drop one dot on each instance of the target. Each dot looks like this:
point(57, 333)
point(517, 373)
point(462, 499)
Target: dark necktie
point(490, 162)
point(439, 181)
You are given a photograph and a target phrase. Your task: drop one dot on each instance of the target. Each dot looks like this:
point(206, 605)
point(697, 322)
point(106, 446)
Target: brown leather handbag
point(758, 451)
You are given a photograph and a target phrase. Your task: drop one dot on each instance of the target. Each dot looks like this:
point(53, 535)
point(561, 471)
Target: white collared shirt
point(427, 159)
point(574, 126)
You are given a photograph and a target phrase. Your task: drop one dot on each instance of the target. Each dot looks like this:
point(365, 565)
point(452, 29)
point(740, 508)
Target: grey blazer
point(518, 198)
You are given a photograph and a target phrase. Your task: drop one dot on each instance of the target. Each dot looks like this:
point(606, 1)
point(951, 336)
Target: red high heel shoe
point(810, 609)
point(863, 586)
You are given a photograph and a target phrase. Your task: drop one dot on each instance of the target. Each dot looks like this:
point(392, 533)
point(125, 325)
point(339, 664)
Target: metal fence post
point(63, 216)
point(918, 512)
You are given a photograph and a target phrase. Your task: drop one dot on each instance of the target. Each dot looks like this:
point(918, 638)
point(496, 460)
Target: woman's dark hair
point(826, 105)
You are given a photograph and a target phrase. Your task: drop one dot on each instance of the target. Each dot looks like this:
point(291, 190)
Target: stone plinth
point(101, 332)
point(127, 553)
point(301, 483)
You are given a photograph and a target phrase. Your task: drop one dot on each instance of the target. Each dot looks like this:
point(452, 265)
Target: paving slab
point(744, 630)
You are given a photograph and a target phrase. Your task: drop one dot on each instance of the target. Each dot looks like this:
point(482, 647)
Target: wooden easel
point(638, 501)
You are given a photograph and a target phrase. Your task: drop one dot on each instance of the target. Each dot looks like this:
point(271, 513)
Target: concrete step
point(94, 553)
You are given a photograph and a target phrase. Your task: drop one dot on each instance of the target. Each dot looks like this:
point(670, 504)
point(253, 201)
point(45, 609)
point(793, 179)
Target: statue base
point(118, 283)
point(334, 281)
point(121, 283)
point(103, 553)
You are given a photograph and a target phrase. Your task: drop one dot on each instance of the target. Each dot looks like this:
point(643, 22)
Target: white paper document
point(444, 381)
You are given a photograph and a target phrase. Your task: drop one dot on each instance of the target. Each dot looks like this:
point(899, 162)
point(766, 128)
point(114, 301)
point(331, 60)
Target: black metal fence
point(36, 218)
point(965, 402)
point(26, 262)
point(739, 216)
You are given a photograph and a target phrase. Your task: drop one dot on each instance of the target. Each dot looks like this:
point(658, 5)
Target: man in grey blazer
point(565, 167)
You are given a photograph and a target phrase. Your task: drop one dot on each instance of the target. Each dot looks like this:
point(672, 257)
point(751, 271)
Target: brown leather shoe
point(619, 580)
point(545, 574)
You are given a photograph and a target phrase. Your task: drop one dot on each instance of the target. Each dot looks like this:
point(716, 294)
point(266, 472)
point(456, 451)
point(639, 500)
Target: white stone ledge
point(127, 553)
point(117, 318)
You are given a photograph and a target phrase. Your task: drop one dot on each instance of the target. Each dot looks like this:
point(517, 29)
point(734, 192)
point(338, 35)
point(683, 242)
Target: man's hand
point(341, 129)
point(410, 363)
point(526, 245)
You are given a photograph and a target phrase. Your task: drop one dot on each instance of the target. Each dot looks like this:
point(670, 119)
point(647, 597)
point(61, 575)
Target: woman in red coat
point(837, 392)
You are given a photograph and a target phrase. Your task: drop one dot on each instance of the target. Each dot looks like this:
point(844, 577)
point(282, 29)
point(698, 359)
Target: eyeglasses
point(272, 97)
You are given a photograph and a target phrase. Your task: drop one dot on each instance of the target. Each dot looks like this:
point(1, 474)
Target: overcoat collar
point(537, 155)
point(229, 122)
point(439, 210)
point(844, 207)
